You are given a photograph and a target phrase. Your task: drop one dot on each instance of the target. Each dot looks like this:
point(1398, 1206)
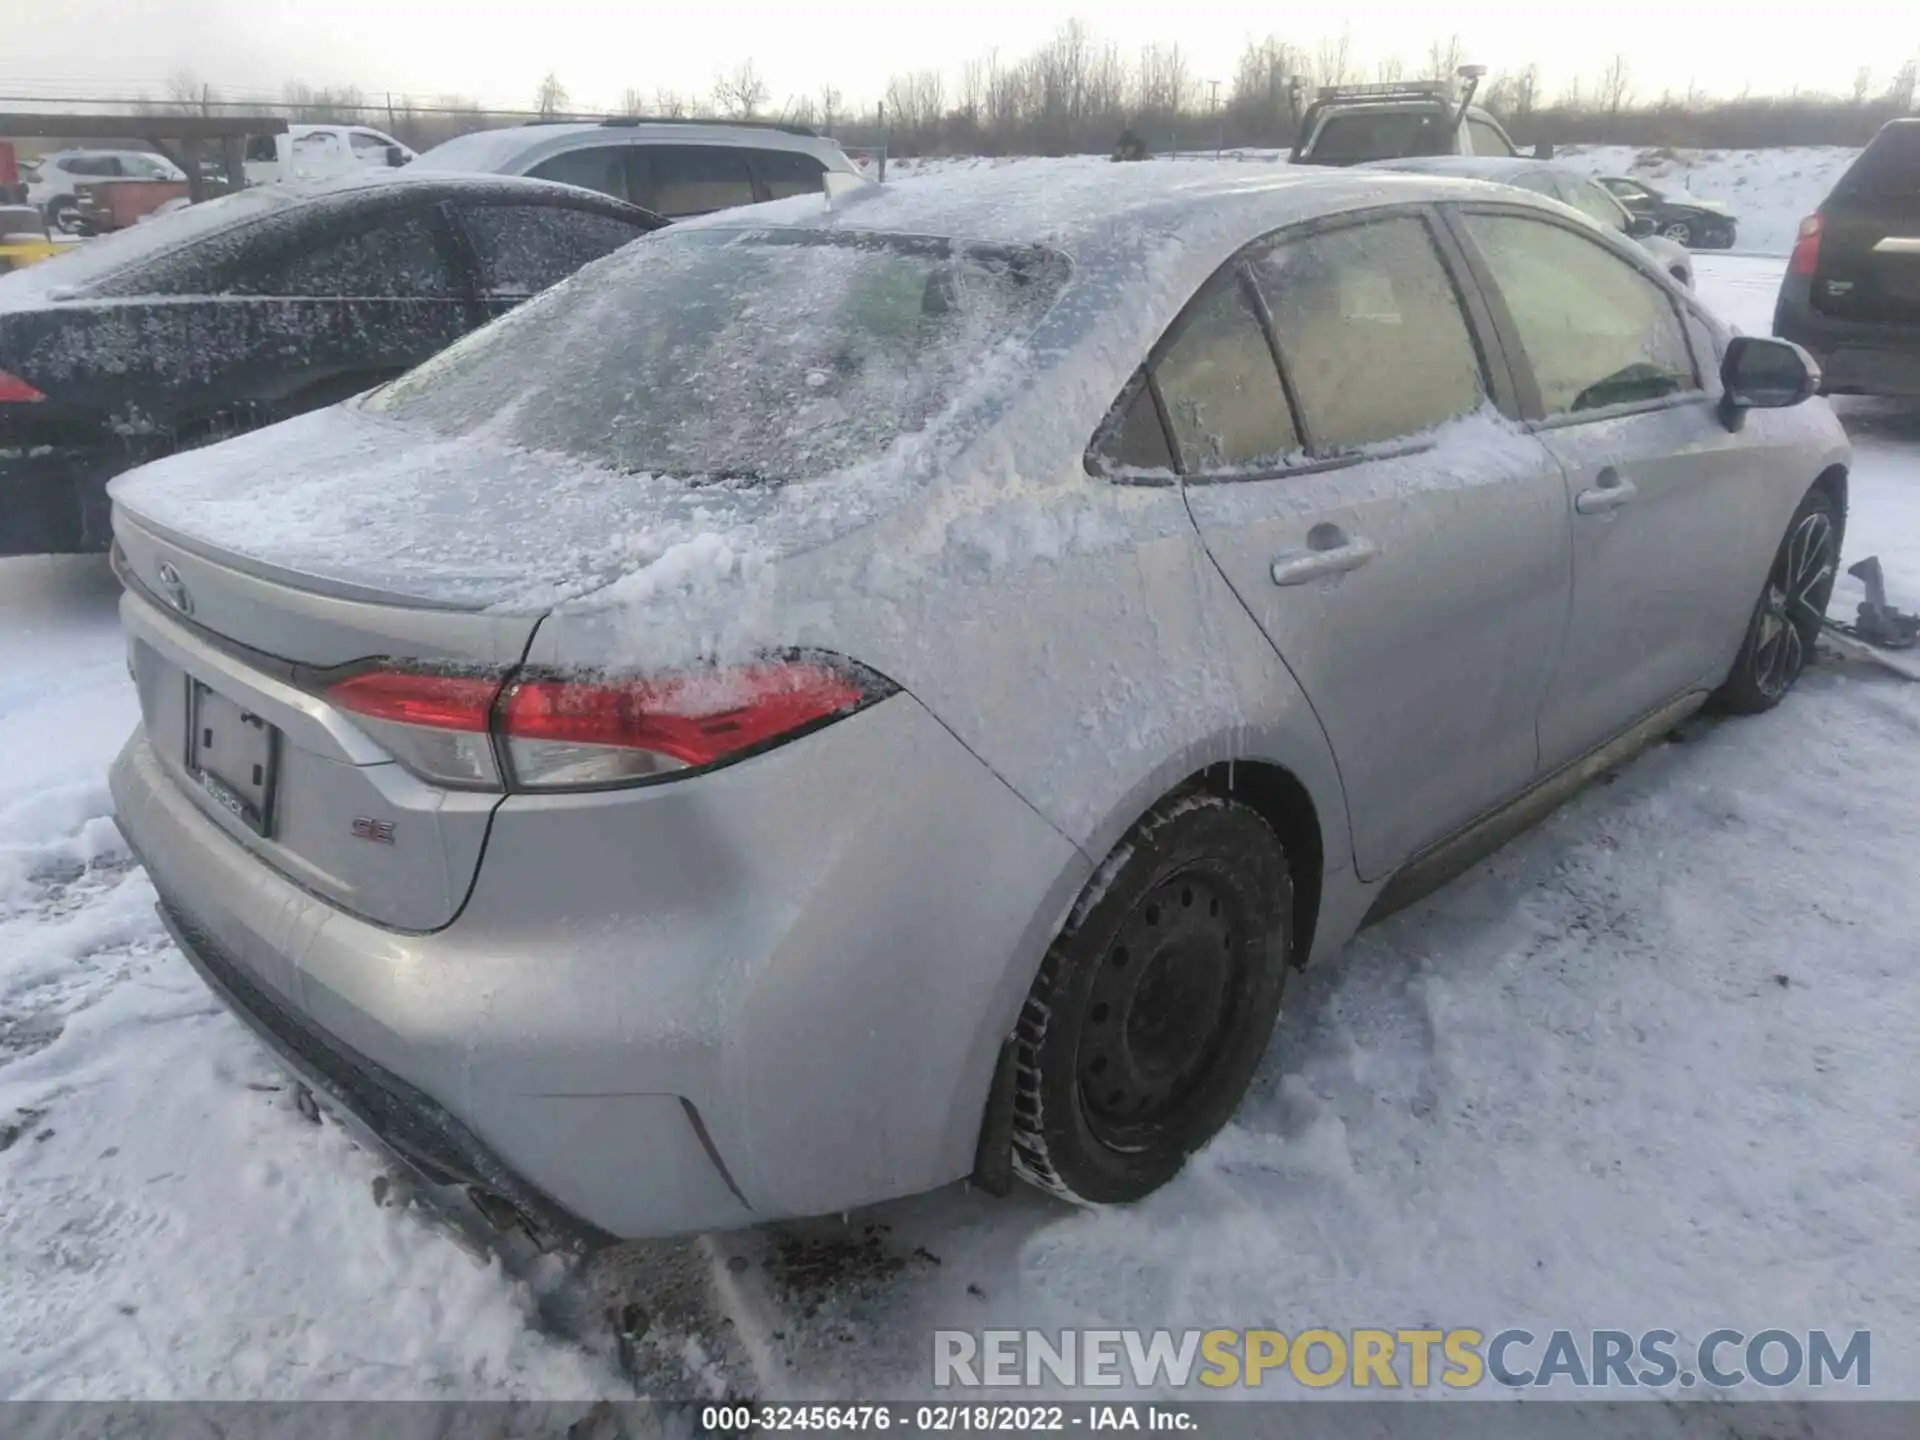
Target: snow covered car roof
point(73, 276)
point(514, 148)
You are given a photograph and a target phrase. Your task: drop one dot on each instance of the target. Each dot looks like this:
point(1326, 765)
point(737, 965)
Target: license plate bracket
point(234, 755)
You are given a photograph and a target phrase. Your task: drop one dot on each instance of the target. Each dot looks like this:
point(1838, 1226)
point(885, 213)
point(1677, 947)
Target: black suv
point(1852, 289)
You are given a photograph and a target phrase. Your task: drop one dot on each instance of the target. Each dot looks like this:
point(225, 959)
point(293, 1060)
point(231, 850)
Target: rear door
point(1668, 554)
point(1409, 565)
point(1869, 266)
point(521, 248)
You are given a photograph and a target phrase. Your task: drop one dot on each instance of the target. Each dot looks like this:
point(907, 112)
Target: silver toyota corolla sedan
point(862, 692)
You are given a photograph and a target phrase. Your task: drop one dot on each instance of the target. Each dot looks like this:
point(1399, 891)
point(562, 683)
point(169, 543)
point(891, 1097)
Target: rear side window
point(600, 167)
point(787, 172)
point(1889, 166)
point(1372, 333)
point(390, 257)
point(696, 179)
point(522, 249)
point(1222, 390)
point(1595, 330)
point(1487, 139)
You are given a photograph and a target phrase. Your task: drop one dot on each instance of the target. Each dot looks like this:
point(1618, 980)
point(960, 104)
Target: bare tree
point(1900, 92)
point(1444, 58)
point(1862, 83)
point(742, 94)
point(1333, 63)
point(188, 94)
point(1389, 70)
point(1616, 84)
point(551, 98)
point(832, 107)
point(1526, 92)
point(671, 104)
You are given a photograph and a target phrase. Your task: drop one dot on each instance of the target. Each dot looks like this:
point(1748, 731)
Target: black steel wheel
point(1154, 1006)
point(1785, 625)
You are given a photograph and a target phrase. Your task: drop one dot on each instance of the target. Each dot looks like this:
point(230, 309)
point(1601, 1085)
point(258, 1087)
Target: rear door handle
point(1330, 551)
point(1610, 492)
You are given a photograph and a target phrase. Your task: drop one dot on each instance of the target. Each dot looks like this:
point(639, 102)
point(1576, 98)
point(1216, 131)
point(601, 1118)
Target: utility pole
point(1220, 134)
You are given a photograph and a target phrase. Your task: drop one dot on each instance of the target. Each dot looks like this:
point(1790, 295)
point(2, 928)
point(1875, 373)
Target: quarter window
point(1372, 333)
point(1222, 390)
point(1595, 330)
point(787, 172)
point(1487, 139)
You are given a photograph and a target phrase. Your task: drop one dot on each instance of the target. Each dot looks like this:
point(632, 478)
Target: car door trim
point(1448, 858)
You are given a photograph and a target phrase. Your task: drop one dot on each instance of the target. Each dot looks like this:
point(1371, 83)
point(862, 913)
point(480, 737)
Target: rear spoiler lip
point(124, 516)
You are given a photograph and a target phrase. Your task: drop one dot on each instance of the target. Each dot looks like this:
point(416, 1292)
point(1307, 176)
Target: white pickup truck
point(1354, 124)
point(307, 152)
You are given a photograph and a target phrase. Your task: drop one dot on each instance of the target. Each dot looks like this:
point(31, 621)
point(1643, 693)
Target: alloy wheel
point(1790, 616)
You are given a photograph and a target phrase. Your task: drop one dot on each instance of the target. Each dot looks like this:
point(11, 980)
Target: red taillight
point(435, 722)
point(564, 731)
point(1806, 246)
point(15, 391)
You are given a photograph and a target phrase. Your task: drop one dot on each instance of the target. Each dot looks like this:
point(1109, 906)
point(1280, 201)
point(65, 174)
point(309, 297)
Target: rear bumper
point(776, 990)
point(53, 498)
point(1855, 358)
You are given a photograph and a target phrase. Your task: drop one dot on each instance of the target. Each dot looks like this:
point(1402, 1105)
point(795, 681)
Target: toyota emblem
point(175, 589)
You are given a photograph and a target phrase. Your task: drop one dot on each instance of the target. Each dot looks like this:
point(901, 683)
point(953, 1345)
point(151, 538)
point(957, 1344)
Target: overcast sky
point(497, 52)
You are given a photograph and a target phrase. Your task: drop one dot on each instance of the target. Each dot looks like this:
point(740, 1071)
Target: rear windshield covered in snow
point(759, 356)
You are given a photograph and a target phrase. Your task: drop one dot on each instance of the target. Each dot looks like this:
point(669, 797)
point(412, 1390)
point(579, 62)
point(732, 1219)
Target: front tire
point(1153, 1007)
point(1786, 620)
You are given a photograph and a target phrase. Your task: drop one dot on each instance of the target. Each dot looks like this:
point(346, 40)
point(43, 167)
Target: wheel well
point(1833, 480)
point(1282, 801)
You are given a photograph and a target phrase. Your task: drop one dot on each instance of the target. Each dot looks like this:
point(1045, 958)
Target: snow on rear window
point(759, 356)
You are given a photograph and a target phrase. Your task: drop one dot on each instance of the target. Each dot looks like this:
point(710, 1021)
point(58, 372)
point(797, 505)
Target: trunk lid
point(1869, 268)
point(258, 566)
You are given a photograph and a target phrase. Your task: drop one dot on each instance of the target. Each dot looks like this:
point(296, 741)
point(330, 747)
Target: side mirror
point(1543, 150)
point(396, 157)
point(1640, 226)
point(1763, 374)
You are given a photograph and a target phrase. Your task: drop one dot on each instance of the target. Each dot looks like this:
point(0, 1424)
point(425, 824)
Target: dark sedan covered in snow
point(252, 308)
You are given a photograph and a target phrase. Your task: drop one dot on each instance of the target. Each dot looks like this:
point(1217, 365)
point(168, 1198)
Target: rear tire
point(1681, 232)
point(1155, 1004)
point(1786, 620)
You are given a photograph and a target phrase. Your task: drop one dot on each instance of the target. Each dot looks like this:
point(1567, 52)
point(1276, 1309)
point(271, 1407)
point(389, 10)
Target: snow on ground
point(1769, 191)
point(1649, 1066)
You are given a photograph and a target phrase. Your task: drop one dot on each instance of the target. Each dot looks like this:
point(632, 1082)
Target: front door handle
point(1611, 490)
point(1330, 551)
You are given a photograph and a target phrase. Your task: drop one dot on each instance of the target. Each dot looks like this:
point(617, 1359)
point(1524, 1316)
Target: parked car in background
point(1851, 294)
point(759, 807)
point(1686, 219)
point(101, 206)
point(674, 168)
point(1352, 124)
point(313, 152)
point(1558, 182)
point(233, 314)
point(55, 178)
